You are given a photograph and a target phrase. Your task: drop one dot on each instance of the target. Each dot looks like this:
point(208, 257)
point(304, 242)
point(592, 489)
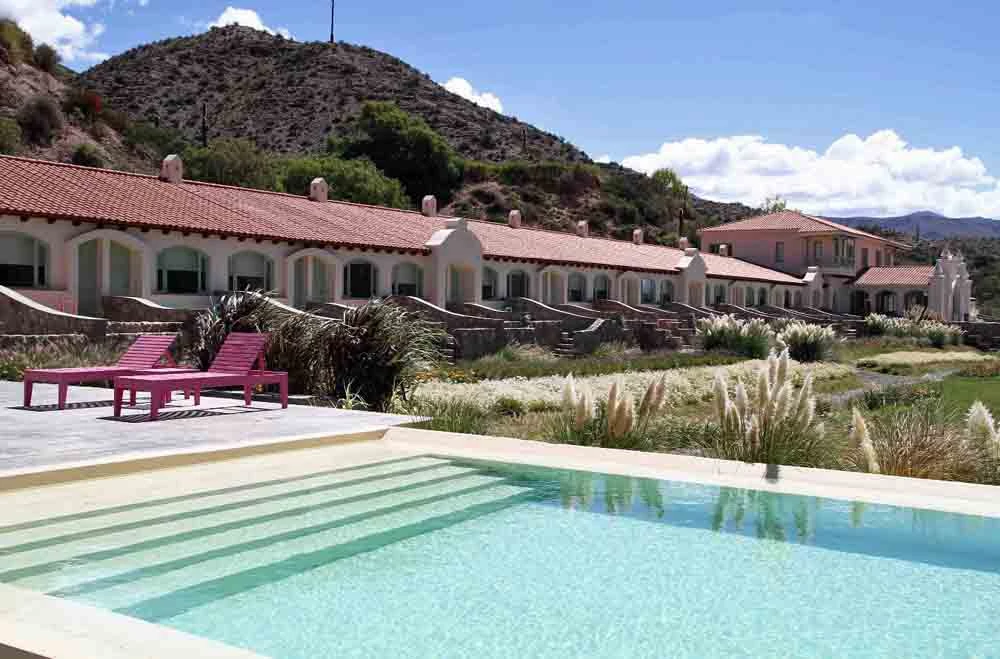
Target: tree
point(231, 162)
point(39, 118)
point(349, 180)
point(10, 137)
point(405, 148)
point(773, 204)
point(46, 58)
point(678, 196)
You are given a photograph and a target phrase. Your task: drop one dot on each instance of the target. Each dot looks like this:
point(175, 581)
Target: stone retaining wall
point(137, 309)
point(22, 315)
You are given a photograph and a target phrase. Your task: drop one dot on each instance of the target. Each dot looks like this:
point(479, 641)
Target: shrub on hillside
point(46, 58)
point(405, 148)
point(153, 141)
point(10, 137)
point(83, 101)
point(114, 119)
point(39, 119)
point(87, 155)
point(806, 342)
point(18, 43)
point(349, 180)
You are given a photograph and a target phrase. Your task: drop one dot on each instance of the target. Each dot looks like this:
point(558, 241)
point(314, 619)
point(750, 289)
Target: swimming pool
point(429, 556)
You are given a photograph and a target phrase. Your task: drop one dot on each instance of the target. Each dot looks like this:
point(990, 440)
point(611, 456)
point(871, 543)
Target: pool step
point(222, 570)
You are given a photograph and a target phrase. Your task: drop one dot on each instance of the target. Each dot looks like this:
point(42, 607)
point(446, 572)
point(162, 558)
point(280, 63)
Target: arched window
point(490, 281)
point(787, 299)
point(24, 261)
point(749, 298)
point(360, 280)
point(518, 284)
point(914, 299)
point(647, 291)
point(577, 284)
point(761, 296)
point(666, 291)
point(602, 287)
point(720, 294)
point(249, 270)
point(181, 271)
point(798, 299)
point(408, 279)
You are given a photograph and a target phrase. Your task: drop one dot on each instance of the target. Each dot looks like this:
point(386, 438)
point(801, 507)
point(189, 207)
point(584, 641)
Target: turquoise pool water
point(433, 557)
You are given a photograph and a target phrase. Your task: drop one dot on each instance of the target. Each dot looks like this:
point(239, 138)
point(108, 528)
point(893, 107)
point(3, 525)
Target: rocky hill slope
point(289, 96)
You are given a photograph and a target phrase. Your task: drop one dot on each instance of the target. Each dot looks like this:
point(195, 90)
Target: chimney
point(582, 228)
point(514, 219)
point(683, 243)
point(172, 169)
point(429, 206)
point(637, 236)
point(319, 190)
point(723, 250)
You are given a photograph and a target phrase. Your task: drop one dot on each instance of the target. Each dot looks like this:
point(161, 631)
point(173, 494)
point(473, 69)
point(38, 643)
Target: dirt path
point(871, 380)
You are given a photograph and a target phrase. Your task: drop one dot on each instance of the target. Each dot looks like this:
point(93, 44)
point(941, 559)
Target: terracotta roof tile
point(56, 190)
point(795, 221)
point(904, 275)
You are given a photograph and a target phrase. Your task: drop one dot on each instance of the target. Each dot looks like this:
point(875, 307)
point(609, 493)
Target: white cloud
point(603, 159)
point(464, 88)
point(877, 175)
point(48, 21)
point(248, 18)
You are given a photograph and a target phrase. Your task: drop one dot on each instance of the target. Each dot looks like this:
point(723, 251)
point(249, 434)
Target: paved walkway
point(86, 431)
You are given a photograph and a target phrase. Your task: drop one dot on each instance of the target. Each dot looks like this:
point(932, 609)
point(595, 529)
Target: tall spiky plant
point(775, 426)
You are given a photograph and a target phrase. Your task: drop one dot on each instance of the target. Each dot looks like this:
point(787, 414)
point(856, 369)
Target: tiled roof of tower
point(60, 191)
point(901, 275)
point(796, 221)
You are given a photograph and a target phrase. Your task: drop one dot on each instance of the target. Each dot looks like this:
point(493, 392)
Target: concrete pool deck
point(52, 627)
point(44, 438)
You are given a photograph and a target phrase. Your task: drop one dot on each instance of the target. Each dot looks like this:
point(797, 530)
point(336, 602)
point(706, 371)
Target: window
point(748, 297)
point(249, 270)
point(761, 296)
point(577, 284)
point(720, 294)
point(714, 248)
point(798, 299)
point(489, 284)
point(878, 257)
point(407, 279)
point(864, 257)
point(602, 287)
point(779, 252)
point(518, 284)
point(647, 291)
point(666, 291)
point(818, 251)
point(23, 261)
point(360, 280)
point(321, 281)
point(788, 300)
point(181, 271)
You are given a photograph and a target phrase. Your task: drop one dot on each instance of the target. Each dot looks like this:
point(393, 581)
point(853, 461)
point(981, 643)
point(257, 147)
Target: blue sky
point(842, 107)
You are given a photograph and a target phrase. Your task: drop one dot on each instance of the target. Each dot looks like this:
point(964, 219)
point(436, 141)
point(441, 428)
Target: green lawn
point(961, 392)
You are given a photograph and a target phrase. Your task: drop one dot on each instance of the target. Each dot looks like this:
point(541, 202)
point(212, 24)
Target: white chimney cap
point(637, 236)
point(429, 206)
point(514, 219)
point(319, 190)
point(683, 243)
point(583, 228)
point(172, 169)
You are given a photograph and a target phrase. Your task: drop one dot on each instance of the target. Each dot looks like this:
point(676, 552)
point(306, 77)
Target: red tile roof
point(60, 191)
point(796, 221)
point(903, 275)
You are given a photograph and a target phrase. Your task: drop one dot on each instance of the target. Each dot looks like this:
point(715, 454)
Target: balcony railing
point(840, 264)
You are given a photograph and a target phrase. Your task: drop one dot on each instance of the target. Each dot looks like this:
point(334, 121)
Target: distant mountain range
point(931, 226)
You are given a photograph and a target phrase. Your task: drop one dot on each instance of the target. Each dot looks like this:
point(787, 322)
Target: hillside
point(288, 96)
point(930, 226)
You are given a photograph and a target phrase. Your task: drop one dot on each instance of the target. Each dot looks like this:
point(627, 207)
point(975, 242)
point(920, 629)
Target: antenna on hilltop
point(333, 6)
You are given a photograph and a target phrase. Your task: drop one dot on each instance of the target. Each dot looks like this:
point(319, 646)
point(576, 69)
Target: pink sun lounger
point(145, 354)
point(240, 362)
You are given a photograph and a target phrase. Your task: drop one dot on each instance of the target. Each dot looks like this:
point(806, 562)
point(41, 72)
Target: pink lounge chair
point(143, 355)
point(240, 361)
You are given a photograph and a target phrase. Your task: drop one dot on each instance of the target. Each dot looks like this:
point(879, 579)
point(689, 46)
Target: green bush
point(232, 161)
point(116, 120)
point(455, 415)
point(349, 180)
point(10, 137)
point(405, 148)
point(39, 119)
point(902, 394)
point(507, 406)
point(153, 141)
point(87, 155)
point(46, 58)
point(17, 42)
point(87, 102)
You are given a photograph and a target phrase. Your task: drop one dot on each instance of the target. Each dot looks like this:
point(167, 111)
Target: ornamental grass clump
point(751, 338)
point(934, 331)
point(985, 435)
point(806, 342)
point(773, 424)
point(614, 422)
